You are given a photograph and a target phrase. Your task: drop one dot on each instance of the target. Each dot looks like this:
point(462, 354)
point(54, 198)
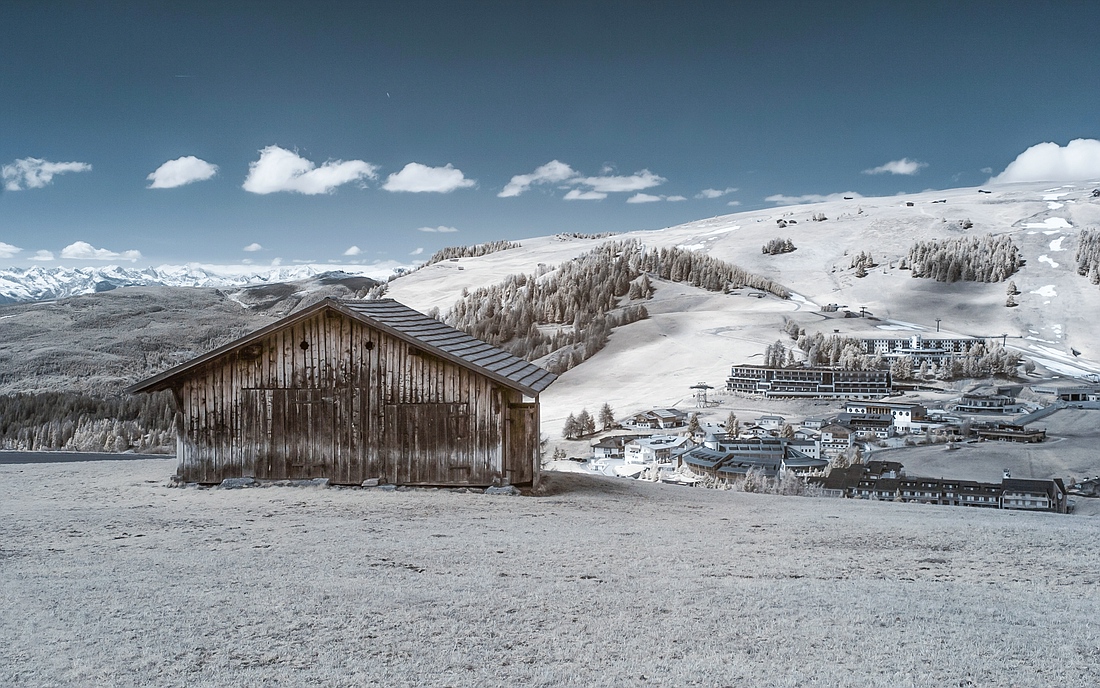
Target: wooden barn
point(354, 390)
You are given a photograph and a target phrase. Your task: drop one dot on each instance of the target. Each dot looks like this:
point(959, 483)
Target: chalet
point(1033, 495)
point(835, 439)
point(757, 431)
point(656, 449)
point(771, 422)
point(357, 390)
point(658, 419)
point(805, 434)
point(903, 415)
point(612, 447)
point(867, 424)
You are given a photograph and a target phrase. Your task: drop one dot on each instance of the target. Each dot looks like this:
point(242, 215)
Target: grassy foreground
point(109, 577)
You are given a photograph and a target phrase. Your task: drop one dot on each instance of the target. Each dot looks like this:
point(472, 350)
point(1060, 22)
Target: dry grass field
point(110, 577)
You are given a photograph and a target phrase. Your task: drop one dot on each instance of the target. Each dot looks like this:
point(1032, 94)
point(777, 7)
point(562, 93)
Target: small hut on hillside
point(354, 390)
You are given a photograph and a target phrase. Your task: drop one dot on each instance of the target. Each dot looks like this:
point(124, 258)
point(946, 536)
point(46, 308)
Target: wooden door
point(427, 444)
point(299, 434)
point(522, 443)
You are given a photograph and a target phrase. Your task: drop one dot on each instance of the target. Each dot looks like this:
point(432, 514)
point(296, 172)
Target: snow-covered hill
point(41, 283)
point(695, 336)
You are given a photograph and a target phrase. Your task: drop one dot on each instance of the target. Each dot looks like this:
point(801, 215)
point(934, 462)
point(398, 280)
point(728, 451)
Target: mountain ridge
point(39, 283)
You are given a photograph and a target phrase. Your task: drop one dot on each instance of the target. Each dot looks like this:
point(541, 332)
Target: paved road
point(18, 457)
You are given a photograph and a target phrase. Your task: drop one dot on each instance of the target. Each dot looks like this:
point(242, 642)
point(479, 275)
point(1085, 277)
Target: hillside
point(100, 343)
point(694, 335)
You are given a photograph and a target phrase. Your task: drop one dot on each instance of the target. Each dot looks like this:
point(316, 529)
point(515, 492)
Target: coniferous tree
point(607, 416)
point(570, 430)
point(733, 427)
point(586, 425)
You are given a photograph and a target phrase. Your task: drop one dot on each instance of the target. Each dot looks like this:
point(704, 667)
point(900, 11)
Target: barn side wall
point(331, 397)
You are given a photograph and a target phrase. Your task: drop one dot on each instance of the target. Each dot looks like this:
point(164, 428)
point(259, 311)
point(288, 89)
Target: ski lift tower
point(701, 394)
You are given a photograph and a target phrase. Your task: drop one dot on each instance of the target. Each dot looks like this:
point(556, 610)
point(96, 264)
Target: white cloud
point(416, 251)
point(42, 255)
point(638, 181)
point(253, 247)
point(1079, 160)
point(417, 178)
point(986, 170)
point(181, 171)
point(715, 193)
point(734, 203)
point(904, 166)
point(34, 173)
point(644, 198)
point(578, 195)
point(780, 199)
point(673, 199)
point(281, 170)
point(82, 250)
point(8, 251)
point(440, 229)
point(550, 173)
point(276, 262)
point(353, 251)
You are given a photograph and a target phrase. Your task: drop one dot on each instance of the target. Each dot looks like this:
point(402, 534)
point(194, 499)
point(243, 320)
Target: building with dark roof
point(886, 481)
point(357, 390)
point(729, 460)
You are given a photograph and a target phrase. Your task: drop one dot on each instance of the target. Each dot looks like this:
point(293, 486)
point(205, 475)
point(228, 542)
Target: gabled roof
point(398, 320)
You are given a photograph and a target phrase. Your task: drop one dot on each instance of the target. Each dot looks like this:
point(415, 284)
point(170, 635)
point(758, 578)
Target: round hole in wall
point(368, 346)
point(304, 345)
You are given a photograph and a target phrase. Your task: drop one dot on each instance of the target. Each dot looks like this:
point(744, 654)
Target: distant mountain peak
point(38, 283)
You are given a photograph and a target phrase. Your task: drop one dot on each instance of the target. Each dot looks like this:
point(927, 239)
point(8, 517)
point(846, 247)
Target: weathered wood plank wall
point(331, 397)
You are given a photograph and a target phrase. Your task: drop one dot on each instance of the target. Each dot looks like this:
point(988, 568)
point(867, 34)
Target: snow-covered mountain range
point(44, 283)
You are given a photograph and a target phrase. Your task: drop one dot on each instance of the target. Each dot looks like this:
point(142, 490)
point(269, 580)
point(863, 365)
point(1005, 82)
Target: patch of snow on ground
point(692, 247)
point(1050, 223)
point(1047, 290)
point(1056, 245)
point(723, 230)
point(905, 325)
point(802, 300)
point(1046, 259)
point(1054, 206)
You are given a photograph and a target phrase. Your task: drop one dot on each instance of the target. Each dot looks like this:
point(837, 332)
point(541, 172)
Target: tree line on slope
point(1088, 254)
point(83, 422)
point(582, 298)
point(470, 251)
point(969, 259)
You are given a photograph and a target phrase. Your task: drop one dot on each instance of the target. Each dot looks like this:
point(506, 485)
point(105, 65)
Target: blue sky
point(418, 115)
